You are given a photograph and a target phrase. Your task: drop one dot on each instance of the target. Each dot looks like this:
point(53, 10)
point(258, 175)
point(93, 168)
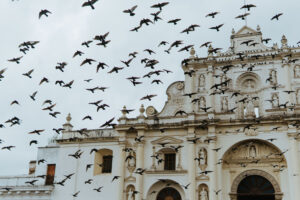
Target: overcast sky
point(62, 33)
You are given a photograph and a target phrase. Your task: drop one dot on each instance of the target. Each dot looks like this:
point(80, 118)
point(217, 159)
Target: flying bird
point(248, 6)
point(131, 10)
point(276, 16)
point(90, 3)
point(160, 5)
point(16, 60)
point(217, 28)
point(212, 14)
point(44, 12)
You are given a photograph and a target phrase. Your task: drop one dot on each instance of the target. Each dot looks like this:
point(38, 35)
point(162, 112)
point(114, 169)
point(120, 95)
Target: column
point(294, 165)
point(189, 86)
point(140, 164)
point(289, 97)
point(210, 82)
point(179, 166)
point(192, 170)
point(122, 157)
point(212, 160)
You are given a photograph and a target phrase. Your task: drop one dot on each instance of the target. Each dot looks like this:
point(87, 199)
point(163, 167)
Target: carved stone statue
point(249, 109)
point(202, 80)
point(130, 195)
point(202, 156)
point(297, 71)
point(273, 76)
point(224, 107)
point(252, 151)
point(203, 194)
point(275, 102)
point(202, 103)
point(131, 162)
point(223, 79)
point(249, 85)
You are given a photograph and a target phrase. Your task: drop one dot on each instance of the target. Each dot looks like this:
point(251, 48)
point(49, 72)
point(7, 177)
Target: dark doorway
point(255, 188)
point(168, 194)
point(50, 174)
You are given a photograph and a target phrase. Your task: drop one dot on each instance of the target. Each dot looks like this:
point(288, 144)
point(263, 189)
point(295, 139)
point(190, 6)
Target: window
point(170, 161)
point(50, 174)
point(103, 161)
point(107, 164)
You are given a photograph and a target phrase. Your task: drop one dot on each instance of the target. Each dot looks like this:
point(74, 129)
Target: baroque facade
point(229, 131)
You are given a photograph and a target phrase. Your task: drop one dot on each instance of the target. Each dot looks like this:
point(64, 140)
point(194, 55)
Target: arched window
point(103, 161)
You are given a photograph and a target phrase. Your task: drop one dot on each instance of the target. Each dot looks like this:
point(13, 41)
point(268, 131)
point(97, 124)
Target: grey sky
point(62, 33)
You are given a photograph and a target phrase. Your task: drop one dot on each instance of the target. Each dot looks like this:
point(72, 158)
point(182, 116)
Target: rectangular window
point(170, 161)
point(50, 174)
point(107, 164)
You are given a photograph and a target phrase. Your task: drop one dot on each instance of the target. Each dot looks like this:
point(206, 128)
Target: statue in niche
point(202, 156)
point(131, 162)
point(297, 71)
point(202, 159)
point(275, 100)
point(249, 112)
point(224, 107)
point(131, 195)
point(252, 151)
point(202, 103)
point(223, 79)
point(203, 194)
point(273, 77)
point(202, 81)
point(249, 85)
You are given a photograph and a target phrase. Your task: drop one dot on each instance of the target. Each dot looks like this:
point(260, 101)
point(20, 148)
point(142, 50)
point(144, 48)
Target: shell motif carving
point(151, 111)
point(180, 86)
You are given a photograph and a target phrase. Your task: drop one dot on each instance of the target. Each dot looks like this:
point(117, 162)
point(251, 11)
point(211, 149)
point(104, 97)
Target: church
point(229, 131)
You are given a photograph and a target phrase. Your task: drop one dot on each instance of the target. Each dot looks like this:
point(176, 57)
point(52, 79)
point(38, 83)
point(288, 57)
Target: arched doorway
point(255, 184)
point(255, 188)
point(168, 193)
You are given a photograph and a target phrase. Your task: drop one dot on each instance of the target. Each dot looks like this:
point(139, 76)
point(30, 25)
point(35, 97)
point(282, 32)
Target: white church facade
point(229, 131)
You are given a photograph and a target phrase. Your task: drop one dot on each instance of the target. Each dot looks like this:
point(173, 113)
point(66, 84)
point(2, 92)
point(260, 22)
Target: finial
point(124, 112)
point(210, 48)
point(68, 126)
point(233, 31)
point(192, 52)
point(258, 28)
point(69, 118)
point(142, 110)
point(283, 41)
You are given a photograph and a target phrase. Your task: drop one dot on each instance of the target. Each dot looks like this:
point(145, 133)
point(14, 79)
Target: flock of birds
point(150, 63)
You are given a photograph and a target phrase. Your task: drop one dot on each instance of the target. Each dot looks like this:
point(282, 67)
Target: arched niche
point(203, 191)
point(248, 82)
point(253, 153)
point(129, 192)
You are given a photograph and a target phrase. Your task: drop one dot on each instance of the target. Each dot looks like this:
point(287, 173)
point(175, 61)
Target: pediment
point(245, 30)
point(167, 139)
